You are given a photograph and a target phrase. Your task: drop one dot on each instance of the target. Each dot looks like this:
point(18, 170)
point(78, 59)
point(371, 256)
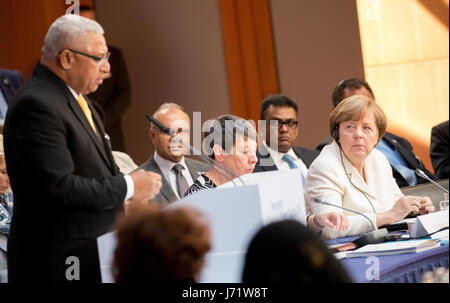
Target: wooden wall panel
point(25, 24)
point(402, 31)
point(249, 52)
point(432, 25)
point(317, 44)
point(405, 50)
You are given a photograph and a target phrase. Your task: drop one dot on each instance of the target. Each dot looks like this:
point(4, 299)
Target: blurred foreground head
point(155, 246)
point(288, 252)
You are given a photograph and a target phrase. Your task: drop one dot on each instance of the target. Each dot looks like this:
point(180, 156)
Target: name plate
point(430, 223)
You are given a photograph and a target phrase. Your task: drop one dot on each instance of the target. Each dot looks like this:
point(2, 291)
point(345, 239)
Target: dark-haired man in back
point(397, 150)
point(282, 155)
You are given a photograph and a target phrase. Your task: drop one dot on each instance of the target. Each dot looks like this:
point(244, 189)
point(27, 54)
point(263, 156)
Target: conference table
point(400, 268)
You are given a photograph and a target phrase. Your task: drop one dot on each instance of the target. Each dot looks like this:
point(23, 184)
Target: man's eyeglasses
point(99, 60)
point(278, 124)
point(175, 132)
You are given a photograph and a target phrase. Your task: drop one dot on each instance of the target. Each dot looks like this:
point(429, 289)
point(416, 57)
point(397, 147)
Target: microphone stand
point(421, 174)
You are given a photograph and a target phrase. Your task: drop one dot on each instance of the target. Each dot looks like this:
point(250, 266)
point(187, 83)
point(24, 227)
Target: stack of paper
point(394, 248)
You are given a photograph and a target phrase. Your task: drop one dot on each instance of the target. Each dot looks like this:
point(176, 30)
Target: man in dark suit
point(113, 96)
point(397, 150)
point(439, 149)
point(67, 187)
point(10, 81)
point(281, 115)
point(169, 155)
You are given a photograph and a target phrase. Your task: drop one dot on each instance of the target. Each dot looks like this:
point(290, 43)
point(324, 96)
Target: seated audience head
point(161, 246)
point(350, 87)
point(357, 124)
point(232, 141)
point(4, 179)
point(76, 51)
point(284, 110)
point(173, 117)
point(287, 252)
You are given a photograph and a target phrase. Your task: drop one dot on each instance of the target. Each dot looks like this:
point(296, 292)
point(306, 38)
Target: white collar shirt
point(283, 165)
point(166, 168)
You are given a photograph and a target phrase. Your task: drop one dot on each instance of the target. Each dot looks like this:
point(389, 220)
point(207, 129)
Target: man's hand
point(146, 185)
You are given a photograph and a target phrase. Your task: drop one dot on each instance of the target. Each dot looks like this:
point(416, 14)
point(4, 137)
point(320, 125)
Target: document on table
point(394, 248)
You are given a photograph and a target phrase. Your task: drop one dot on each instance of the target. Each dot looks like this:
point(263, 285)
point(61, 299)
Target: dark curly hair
point(161, 246)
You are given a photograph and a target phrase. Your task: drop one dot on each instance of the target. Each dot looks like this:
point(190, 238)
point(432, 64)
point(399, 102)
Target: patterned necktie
point(87, 112)
point(182, 185)
point(287, 158)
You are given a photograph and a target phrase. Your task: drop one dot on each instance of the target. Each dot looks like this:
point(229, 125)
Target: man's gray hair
point(65, 31)
point(224, 130)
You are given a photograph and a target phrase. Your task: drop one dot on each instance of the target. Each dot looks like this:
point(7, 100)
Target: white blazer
point(329, 181)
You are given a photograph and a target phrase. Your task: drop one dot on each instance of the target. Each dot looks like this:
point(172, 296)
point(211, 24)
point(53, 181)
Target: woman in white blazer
point(351, 173)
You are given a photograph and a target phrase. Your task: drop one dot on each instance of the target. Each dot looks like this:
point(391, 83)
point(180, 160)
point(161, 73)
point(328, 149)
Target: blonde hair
point(352, 108)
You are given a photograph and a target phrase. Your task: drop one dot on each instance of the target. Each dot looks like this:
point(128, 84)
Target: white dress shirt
point(166, 168)
point(329, 181)
point(283, 165)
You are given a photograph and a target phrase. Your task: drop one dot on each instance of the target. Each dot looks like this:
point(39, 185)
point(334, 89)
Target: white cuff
point(130, 187)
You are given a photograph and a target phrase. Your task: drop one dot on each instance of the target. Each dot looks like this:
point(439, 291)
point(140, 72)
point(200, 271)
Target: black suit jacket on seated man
point(439, 149)
point(405, 150)
point(67, 187)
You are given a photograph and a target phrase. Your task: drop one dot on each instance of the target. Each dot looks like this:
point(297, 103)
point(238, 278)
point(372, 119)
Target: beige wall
point(174, 52)
point(406, 58)
point(317, 45)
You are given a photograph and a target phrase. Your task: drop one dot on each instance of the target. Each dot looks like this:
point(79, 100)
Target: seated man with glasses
point(178, 172)
point(281, 115)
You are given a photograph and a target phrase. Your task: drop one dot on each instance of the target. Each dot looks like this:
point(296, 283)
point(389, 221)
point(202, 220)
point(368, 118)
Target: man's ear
point(65, 59)
point(152, 134)
point(218, 152)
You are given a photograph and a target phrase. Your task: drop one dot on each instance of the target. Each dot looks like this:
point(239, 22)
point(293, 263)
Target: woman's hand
point(411, 204)
point(426, 206)
point(332, 220)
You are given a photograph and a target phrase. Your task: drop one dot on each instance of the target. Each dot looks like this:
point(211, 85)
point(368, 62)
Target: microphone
point(421, 174)
point(212, 163)
point(372, 237)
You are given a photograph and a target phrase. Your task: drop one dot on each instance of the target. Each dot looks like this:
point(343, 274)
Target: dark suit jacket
point(167, 194)
point(67, 187)
point(439, 150)
point(307, 155)
point(113, 96)
point(405, 149)
point(10, 81)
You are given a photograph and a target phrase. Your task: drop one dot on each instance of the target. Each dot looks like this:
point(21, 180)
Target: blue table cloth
point(402, 268)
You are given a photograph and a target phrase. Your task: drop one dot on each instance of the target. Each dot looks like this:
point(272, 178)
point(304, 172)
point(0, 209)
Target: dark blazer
point(405, 149)
point(67, 187)
point(439, 150)
point(10, 81)
point(167, 194)
point(113, 96)
point(307, 155)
